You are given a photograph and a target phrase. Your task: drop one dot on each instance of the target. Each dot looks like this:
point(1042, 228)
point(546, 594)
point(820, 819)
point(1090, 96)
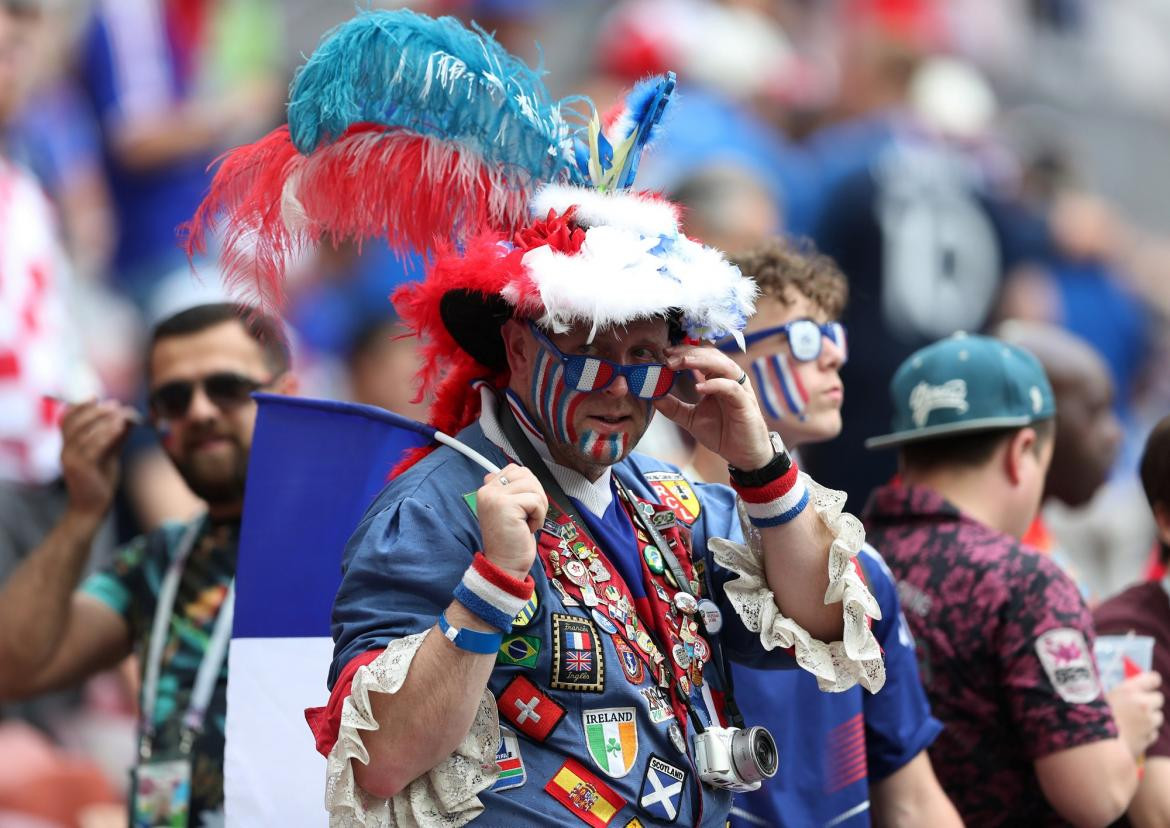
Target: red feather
point(374, 182)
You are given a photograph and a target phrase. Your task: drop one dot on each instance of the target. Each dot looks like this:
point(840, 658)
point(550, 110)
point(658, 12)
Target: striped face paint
point(555, 403)
point(781, 390)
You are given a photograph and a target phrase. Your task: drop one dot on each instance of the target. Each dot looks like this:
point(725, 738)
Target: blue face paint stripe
point(778, 370)
point(769, 392)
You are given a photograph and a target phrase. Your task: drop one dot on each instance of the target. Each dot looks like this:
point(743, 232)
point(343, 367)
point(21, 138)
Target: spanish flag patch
point(590, 799)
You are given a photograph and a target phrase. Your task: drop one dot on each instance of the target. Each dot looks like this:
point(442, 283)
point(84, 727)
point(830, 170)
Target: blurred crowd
point(970, 165)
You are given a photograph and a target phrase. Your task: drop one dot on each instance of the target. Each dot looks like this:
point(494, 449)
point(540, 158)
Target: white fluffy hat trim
point(633, 264)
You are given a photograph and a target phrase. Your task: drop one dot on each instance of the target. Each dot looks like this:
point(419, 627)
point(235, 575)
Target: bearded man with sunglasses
point(167, 596)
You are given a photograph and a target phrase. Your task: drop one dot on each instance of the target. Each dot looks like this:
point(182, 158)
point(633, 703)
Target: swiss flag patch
point(529, 709)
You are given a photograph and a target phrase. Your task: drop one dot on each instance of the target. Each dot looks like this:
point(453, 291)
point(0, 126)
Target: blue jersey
point(833, 744)
point(136, 68)
point(585, 728)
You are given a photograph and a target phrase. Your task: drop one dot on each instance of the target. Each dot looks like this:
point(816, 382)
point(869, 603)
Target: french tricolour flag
point(314, 468)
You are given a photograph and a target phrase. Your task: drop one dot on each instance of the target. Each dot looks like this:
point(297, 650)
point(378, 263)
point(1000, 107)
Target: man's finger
point(83, 417)
point(674, 409)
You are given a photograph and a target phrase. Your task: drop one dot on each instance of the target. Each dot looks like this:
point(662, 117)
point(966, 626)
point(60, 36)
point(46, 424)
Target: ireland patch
point(611, 734)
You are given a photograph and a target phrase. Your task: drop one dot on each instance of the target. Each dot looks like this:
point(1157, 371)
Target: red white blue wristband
point(491, 594)
point(775, 503)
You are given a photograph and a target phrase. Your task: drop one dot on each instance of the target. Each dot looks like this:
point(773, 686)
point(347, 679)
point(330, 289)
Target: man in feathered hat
point(551, 638)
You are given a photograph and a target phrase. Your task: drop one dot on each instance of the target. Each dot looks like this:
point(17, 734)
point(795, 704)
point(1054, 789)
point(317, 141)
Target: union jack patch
point(578, 661)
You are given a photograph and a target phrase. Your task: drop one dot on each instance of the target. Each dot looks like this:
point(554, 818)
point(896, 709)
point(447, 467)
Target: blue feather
point(645, 106)
point(435, 78)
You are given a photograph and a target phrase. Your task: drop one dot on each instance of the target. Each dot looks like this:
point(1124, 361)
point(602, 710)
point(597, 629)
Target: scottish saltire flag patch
point(662, 788)
point(315, 466)
point(611, 734)
point(511, 764)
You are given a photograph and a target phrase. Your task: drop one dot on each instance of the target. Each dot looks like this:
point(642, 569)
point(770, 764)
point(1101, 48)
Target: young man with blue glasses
point(863, 755)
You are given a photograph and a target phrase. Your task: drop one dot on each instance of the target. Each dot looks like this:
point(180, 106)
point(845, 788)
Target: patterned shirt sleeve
point(1044, 642)
point(898, 723)
point(113, 585)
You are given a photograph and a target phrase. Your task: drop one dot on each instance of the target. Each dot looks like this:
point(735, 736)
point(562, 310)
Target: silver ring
point(742, 378)
point(503, 480)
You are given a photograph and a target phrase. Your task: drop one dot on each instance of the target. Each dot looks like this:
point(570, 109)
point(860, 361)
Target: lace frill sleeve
point(444, 797)
point(857, 659)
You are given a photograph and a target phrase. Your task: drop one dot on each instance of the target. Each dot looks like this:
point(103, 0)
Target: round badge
point(685, 602)
point(576, 572)
point(679, 653)
point(603, 622)
point(676, 737)
point(653, 559)
point(711, 615)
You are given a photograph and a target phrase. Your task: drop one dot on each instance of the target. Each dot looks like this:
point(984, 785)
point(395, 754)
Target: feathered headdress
point(431, 136)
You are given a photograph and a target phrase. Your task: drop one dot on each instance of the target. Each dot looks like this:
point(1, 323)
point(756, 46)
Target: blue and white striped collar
point(594, 495)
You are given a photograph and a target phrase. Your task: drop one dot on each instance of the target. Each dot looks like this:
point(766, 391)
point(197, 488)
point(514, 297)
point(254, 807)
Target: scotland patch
point(662, 789)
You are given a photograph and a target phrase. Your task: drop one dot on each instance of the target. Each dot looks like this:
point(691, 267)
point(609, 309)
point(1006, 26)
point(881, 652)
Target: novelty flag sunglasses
point(225, 389)
point(646, 380)
point(804, 338)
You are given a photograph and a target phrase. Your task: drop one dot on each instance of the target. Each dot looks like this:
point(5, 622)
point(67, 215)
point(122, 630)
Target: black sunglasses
point(226, 390)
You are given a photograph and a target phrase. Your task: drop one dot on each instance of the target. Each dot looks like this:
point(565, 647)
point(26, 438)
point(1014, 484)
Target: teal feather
point(438, 79)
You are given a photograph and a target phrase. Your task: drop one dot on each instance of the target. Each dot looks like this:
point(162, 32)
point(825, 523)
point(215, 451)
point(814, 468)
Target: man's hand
point(511, 507)
point(1137, 707)
point(93, 435)
point(727, 419)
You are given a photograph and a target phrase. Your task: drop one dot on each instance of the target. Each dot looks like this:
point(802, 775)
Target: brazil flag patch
point(520, 650)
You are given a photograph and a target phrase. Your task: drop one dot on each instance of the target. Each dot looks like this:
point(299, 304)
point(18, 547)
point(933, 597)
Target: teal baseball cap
point(964, 384)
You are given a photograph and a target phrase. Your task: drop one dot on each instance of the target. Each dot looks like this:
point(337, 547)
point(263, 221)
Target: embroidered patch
point(631, 663)
point(511, 764)
point(637, 823)
point(529, 709)
point(519, 650)
point(611, 734)
point(578, 661)
point(675, 493)
point(662, 788)
point(527, 612)
point(470, 500)
point(590, 799)
point(657, 704)
point(1069, 665)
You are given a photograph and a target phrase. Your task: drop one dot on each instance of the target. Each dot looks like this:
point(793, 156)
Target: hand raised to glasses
point(93, 434)
point(727, 418)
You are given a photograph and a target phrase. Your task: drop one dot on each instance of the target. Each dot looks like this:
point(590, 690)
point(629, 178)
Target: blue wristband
point(473, 641)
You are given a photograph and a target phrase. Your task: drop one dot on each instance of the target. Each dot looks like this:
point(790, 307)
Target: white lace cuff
point(446, 795)
point(857, 659)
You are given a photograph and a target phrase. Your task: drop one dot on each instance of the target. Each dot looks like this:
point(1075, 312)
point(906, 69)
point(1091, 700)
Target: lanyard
point(209, 666)
point(529, 457)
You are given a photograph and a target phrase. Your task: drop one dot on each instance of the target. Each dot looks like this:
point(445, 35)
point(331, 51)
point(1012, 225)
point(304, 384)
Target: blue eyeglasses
point(804, 338)
point(646, 380)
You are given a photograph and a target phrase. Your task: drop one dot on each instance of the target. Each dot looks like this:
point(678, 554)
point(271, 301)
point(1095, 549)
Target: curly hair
point(777, 265)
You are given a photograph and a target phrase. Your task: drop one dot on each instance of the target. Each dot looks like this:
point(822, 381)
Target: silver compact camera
point(736, 759)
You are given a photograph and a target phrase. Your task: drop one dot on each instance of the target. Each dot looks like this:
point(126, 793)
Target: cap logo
point(926, 398)
point(1037, 400)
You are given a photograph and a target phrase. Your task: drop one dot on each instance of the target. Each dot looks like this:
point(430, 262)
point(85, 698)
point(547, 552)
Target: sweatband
point(774, 503)
point(491, 594)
